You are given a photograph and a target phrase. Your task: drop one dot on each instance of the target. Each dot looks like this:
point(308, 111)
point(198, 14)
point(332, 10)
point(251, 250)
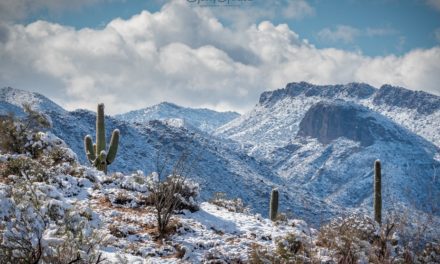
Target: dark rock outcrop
point(327, 121)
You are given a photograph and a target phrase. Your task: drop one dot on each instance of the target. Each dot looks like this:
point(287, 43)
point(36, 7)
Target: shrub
point(17, 165)
point(345, 236)
point(19, 135)
point(289, 249)
point(232, 205)
point(35, 228)
point(174, 193)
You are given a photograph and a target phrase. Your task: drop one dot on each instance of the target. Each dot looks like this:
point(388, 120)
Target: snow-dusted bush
point(38, 226)
point(232, 205)
point(360, 239)
point(288, 249)
point(174, 193)
point(20, 136)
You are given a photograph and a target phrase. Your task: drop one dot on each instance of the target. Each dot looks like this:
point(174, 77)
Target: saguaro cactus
point(377, 192)
point(273, 205)
point(96, 153)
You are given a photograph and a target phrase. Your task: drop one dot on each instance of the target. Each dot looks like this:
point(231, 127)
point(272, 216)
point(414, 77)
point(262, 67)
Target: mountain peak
point(203, 119)
point(350, 90)
point(18, 97)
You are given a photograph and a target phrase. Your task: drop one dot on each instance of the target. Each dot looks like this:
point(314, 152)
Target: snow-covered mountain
point(335, 149)
point(203, 119)
point(217, 165)
point(316, 144)
point(275, 119)
point(324, 139)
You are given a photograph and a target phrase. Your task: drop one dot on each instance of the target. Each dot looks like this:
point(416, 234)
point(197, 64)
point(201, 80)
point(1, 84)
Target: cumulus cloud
point(187, 56)
point(343, 33)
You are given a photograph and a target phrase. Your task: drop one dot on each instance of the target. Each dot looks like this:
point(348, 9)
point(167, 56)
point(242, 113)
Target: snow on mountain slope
point(275, 120)
point(324, 140)
point(335, 149)
point(218, 165)
point(315, 178)
point(204, 119)
point(37, 101)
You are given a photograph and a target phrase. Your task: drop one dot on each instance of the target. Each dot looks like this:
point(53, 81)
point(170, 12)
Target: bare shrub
point(289, 249)
point(172, 194)
point(15, 134)
point(345, 235)
point(35, 228)
point(232, 205)
point(18, 164)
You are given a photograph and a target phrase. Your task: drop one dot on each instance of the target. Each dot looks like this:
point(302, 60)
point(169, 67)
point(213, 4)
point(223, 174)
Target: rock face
point(274, 122)
point(327, 121)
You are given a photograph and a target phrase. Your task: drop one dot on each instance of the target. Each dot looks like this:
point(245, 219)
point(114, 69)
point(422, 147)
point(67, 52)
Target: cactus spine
point(377, 192)
point(273, 205)
point(96, 153)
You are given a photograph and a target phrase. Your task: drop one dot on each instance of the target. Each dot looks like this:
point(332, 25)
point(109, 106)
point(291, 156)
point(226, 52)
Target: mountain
point(325, 139)
point(216, 164)
point(316, 144)
point(275, 120)
point(334, 151)
point(203, 119)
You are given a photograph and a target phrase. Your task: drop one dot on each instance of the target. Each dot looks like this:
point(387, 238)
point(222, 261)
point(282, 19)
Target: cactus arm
point(100, 129)
point(273, 205)
point(377, 192)
point(88, 146)
point(113, 149)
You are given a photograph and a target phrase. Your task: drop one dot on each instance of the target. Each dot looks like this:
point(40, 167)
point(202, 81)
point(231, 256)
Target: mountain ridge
point(204, 119)
point(314, 178)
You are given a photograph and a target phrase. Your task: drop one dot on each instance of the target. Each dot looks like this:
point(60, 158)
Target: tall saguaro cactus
point(273, 205)
point(377, 192)
point(96, 153)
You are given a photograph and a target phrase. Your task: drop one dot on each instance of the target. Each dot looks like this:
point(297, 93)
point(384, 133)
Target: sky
point(218, 54)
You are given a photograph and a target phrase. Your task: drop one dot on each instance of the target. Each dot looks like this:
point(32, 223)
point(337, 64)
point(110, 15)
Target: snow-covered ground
point(55, 210)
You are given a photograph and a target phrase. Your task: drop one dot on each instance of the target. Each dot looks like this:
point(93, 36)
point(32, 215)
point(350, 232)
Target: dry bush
point(360, 239)
point(289, 249)
point(15, 134)
point(232, 205)
point(22, 164)
point(345, 235)
point(172, 194)
point(35, 228)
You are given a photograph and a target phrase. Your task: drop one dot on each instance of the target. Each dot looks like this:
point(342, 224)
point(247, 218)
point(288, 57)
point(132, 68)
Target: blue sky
point(133, 54)
point(377, 27)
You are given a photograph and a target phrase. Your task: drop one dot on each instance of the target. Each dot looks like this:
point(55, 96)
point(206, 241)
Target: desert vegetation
point(55, 210)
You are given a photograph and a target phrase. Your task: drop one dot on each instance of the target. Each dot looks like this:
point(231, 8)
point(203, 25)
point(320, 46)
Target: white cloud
point(185, 55)
point(380, 31)
point(298, 9)
point(343, 33)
